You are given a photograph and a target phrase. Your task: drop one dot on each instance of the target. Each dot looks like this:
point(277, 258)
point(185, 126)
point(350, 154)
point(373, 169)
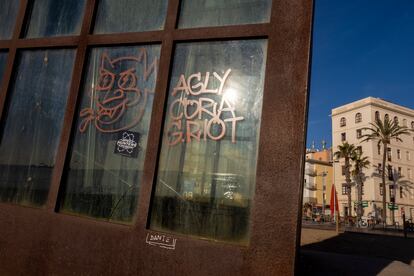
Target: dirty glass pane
point(55, 18)
point(106, 162)
point(207, 167)
point(207, 13)
point(8, 13)
point(3, 59)
point(33, 124)
point(121, 16)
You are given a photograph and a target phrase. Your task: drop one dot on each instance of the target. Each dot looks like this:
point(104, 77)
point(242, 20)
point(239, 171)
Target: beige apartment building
point(347, 124)
point(318, 179)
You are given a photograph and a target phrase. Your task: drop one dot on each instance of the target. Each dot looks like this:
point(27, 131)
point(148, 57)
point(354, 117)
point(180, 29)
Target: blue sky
point(361, 48)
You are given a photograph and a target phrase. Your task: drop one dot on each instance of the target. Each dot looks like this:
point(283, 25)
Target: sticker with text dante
point(161, 240)
point(127, 143)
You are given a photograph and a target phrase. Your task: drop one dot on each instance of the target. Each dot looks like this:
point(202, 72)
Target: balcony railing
point(310, 186)
point(311, 172)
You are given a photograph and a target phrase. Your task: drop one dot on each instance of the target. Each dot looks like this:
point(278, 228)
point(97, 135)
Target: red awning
point(334, 200)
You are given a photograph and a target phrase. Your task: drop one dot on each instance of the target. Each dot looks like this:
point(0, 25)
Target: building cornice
point(319, 162)
point(370, 101)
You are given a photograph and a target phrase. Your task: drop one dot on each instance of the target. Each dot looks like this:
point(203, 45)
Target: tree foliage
point(360, 162)
point(346, 151)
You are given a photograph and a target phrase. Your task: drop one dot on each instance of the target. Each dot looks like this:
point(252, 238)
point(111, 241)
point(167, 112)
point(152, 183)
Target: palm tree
point(360, 162)
point(346, 151)
point(384, 132)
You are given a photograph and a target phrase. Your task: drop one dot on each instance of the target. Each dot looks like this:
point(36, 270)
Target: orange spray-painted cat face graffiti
point(121, 88)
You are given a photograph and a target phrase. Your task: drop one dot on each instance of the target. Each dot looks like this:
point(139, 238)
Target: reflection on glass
point(121, 16)
point(8, 13)
point(55, 18)
point(206, 13)
point(33, 125)
point(3, 58)
point(207, 167)
point(107, 158)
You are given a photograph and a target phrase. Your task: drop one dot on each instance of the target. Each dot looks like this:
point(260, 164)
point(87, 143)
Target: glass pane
point(8, 13)
point(33, 125)
point(206, 13)
point(207, 167)
point(107, 159)
point(121, 16)
point(55, 18)
point(3, 59)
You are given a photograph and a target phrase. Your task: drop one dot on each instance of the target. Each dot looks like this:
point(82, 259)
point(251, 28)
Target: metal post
point(336, 215)
point(404, 226)
point(323, 194)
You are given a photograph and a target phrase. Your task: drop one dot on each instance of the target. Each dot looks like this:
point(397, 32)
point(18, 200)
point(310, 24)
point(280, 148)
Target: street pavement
point(324, 263)
point(324, 252)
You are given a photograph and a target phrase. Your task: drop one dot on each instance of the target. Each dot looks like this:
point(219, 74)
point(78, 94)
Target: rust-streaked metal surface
point(45, 242)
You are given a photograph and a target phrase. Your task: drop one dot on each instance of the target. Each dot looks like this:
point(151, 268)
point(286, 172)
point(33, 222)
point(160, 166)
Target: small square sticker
point(127, 144)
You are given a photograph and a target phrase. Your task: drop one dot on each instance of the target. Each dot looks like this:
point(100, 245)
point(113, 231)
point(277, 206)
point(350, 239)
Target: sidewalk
point(324, 263)
point(323, 252)
point(381, 231)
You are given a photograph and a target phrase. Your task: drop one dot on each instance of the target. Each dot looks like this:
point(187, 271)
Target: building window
point(342, 122)
point(409, 173)
point(411, 193)
point(7, 19)
point(185, 157)
point(390, 173)
point(362, 189)
point(377, 115)
point(405, 122)
point(396, 120)
point(379, 148)
point(123, 16)
point(34, 120)
point(343, 170)
point(344, 189)
point(381, 189)
point(358, 117)
point(222, 13)
point(412, 124)
point(386, 117)
point(399, 171)
point(392, 192)
point(389, 154)
point(398, 154)
point(3, 59)
point(115, 70)
point(401, 192)
point(408, 155)
point(359, 133)
point(343, 136)
point(43, 13)
point(379, 167)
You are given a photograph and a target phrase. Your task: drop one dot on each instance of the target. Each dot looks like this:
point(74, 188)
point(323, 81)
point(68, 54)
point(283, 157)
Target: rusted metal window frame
point(275, 217)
